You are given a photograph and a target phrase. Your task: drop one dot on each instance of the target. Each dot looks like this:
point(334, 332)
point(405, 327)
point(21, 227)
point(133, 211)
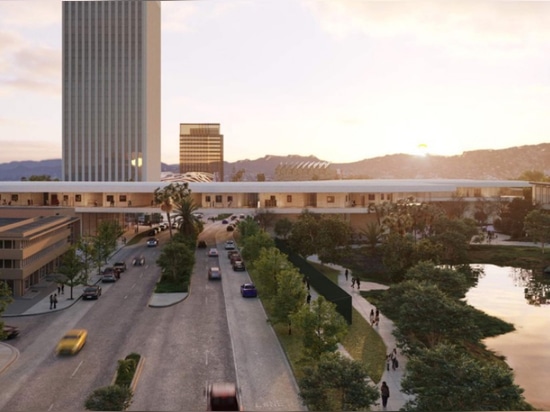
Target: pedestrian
point(358, 281)
point(58, 288)
point(376, 320)
point(388, 361)
point(346, 273)
point(62, 288)
point(394, 361)
point(352, 282)
point(308, 298)
point(385, 392)
point(371, 317)
point(55, 301)
point(307, 283)
point(51, 302)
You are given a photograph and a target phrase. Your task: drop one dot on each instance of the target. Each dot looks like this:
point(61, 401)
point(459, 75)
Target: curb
point(14, 356)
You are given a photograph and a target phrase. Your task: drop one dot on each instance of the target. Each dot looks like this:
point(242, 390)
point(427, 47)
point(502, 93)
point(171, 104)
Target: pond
point(517, 296)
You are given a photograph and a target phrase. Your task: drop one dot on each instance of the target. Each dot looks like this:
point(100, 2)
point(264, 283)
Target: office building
point(201, 149)
point(111, 91)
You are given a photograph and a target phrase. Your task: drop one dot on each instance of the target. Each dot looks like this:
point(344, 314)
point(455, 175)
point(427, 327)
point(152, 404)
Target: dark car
point(109, 275)
point(248, 290)
point(91, 292)
point(235, 257)
point(202, 244)
point(238, 266)
point(223, 397)
point(10, 332)
point(152, 242)
point(232, 252)
point(230, 228)
point(225, 222)
point(138, 261)
point(120, 266)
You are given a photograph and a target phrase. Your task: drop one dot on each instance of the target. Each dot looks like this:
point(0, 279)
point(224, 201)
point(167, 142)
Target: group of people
point(374, 317)
point(354, 280)
point(391, 359)
point(53, 301)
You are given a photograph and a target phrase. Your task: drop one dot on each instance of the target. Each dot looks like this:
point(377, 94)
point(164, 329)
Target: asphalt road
point(184, 347)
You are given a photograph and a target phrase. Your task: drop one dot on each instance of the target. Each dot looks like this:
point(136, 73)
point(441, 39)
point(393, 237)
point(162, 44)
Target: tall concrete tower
point(201, 149)
point(111, 91)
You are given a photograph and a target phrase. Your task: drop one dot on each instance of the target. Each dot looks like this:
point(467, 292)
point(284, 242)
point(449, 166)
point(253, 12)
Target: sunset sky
point(341, 80)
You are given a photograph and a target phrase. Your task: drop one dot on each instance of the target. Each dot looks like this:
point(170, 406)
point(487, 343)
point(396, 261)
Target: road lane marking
point(206, 356)
point(76, 370)
point(51, 407)
point(126, 297)
point(133, 286)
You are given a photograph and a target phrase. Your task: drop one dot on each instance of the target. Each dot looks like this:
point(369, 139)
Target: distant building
point(32, 243)
point(111, 91)
point(306, 170)
point(201, 149)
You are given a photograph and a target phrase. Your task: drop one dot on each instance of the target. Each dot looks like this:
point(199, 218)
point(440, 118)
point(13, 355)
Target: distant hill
point(479, 164)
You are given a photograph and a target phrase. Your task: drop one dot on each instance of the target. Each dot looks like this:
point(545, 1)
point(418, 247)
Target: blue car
point(248, 290)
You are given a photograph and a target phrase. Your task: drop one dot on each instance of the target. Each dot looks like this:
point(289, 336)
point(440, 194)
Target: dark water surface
point(518, 297)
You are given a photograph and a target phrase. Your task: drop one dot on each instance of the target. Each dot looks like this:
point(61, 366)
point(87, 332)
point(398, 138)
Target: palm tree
point(169, 196)
point(189, 224)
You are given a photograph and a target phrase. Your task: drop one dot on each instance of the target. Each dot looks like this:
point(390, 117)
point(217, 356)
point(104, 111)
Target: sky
point(342, 80)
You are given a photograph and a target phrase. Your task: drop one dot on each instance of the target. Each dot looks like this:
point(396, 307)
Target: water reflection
point(520, 297)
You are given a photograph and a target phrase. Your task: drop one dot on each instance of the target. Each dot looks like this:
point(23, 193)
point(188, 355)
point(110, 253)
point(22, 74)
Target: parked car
point(235, 257)
point(202, 244)
point(109, 277)
point(248, 290)
point(152, 242)
point(91, 292)
point(163, 226)
point(10, 332)
point(138, 261)
point(120, 266)
point(238, 266)
point(213, 252)
point(214, 273)
point(230, 228)
point(72, 342)
point(231, 253)
point(225, 222)
point(229, 245)
point(223, 397)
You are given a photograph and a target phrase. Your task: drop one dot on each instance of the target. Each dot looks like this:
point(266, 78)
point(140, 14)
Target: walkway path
point(392, 377)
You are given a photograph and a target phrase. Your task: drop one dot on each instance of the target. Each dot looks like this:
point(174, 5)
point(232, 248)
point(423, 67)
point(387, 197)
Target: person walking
point(62, 288)
point(394, 361)
point(385, 393)
point(59, 288)
point(308, 299)
point(352, 282)
point(358, 281)
point(51, 302)
point(371, 317)
point(346, 273)
point(55, 301)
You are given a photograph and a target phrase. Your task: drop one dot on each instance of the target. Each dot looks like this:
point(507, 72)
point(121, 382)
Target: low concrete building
point(32, 243)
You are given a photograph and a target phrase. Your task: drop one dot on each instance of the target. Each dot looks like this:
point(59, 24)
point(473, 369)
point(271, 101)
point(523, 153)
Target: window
point(218, 198)
point(122, 198)
point(110, 198)
point(14, 198)
point(207, 198)
point(229, 198)
point(371, 196)
point(78, 198)
point(330, 199)
point(289, 198)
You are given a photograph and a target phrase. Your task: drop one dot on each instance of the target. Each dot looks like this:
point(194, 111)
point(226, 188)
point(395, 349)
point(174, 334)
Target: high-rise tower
point(111, 90)
point(201, 149)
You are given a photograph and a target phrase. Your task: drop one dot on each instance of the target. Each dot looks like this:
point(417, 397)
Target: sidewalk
point(392, 377)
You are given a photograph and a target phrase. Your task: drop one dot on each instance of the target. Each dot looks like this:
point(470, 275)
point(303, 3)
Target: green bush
point(127, 369)
point(109, 398)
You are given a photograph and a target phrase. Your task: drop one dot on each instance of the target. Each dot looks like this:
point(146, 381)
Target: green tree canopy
point(451, 282)
point(283, 227)
point(72, 270)
point(290, 296)
point(537, 226)
point(322, 327)
point(176, 261)
point(267, 266)
point(253, 245)
point(447, 379)
point(336, 383)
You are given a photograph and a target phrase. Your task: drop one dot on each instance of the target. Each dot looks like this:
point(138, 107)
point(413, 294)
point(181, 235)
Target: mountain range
point(498, 164)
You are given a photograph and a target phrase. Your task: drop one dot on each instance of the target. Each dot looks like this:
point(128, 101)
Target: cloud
point(177, 16)
point(30, 14)
point(462, 27)
point(29, 150)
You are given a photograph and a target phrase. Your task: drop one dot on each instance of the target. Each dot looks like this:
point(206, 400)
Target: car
point(10, 332)
point(238, 266)
point(213, 252)
point(223, 396)
point(214, 273)
point(202, 244)
point(72, 342)
point(152, 242)
point(248, 290)
point(231, 253)
point(138, 261)
point(120, 266)
point(230, 228)
point(241, 216)
point(235, 257)
point(225, 222)
point(229, 245)
point(91, 292)
point(109, 277)
point(163, 226)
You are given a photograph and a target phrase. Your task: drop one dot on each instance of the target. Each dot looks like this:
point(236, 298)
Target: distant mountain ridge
point(479, 164)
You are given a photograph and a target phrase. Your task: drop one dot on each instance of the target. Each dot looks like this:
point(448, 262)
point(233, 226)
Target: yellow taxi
point(72, 342)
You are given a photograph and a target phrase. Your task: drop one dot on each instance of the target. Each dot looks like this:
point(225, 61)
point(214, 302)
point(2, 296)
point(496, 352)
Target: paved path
point(384, 329)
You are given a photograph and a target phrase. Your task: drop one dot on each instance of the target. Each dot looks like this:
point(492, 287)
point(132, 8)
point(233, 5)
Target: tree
point(534, 176)
point(373, 234)
point(237, 175)
point(451, 282)
point(104, 242)
point(169, 196)
point(289, 297)
point(264, 218)
point(336, 383)
point(322, 327)
point(260, 177)
point(176, 261)
point(189, 224)
point(248, 227)
point(397, 255)
point(109, 398)
point(333, 239)
point(283, 227)
point(453, 236)
point(445, 378)
point(5, 300)
point(85, 251)
point(253, 245)
point(71, 269)
point(267, 266)
point(537, 226)
point(305, 231)
point(512, 217)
